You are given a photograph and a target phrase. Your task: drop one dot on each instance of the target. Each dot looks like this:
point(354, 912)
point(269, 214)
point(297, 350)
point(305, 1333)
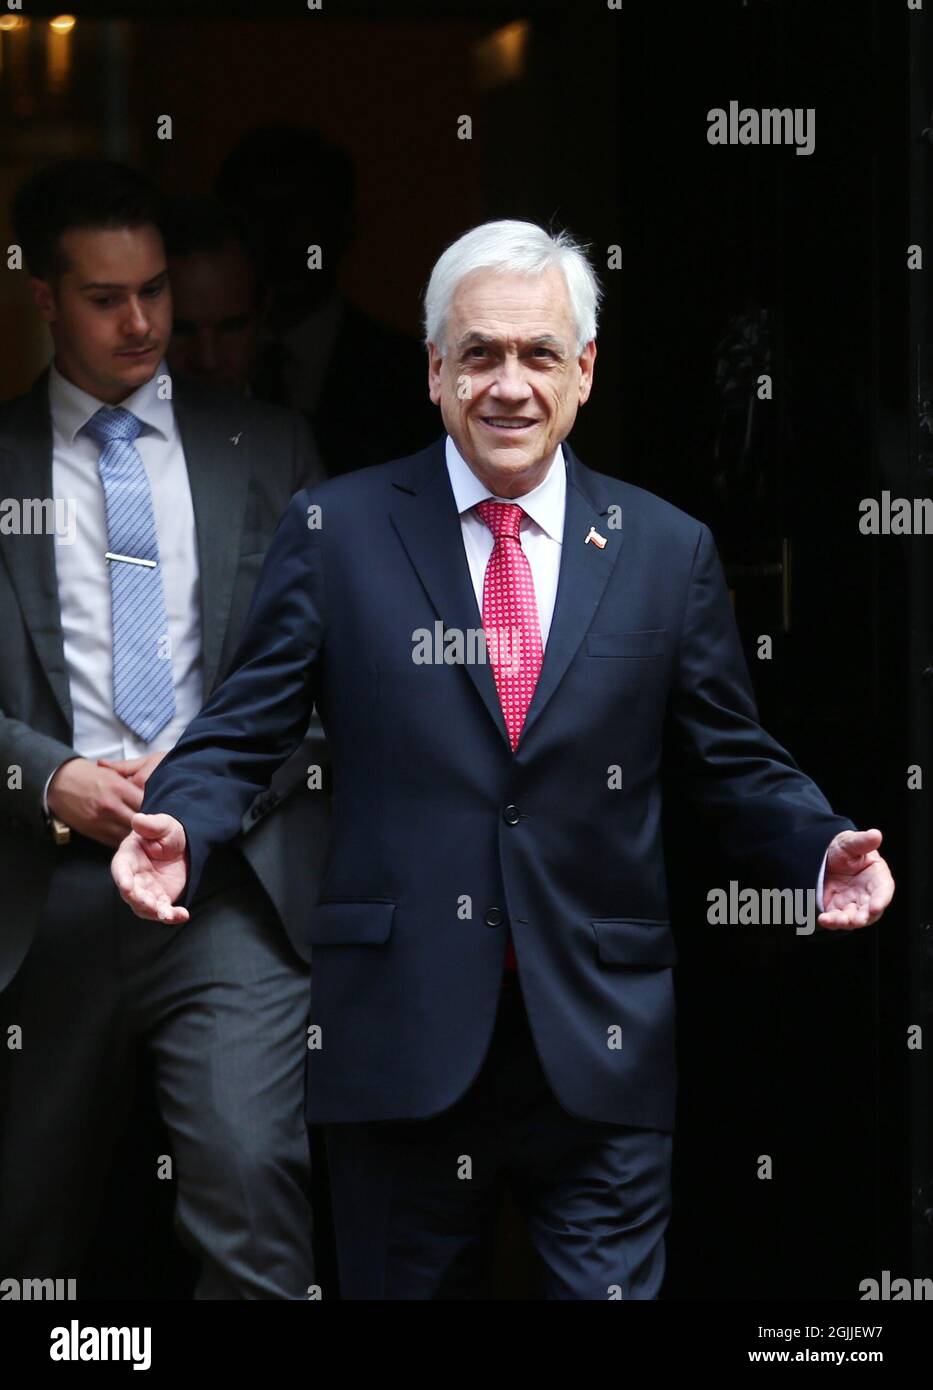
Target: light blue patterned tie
point(143, 688)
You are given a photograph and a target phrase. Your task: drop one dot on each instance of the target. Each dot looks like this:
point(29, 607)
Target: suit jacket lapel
point(26, 471)
point(584, 573)
point(218, 475)
point(427, 522)
point(428, 525)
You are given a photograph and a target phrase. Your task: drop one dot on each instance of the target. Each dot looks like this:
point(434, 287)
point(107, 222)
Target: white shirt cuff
point(45, 789)
point(819, 885)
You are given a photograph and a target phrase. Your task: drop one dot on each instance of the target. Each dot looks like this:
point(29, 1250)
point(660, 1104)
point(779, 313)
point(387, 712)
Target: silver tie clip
point(129, 559)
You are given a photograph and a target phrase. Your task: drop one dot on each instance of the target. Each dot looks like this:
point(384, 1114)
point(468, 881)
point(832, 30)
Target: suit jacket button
point(494, 917)
point(511, 815)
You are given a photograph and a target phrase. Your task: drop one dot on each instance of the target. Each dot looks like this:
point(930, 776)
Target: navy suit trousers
point(415, 1201)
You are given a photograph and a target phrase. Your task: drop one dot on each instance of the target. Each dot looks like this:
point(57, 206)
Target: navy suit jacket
point(443, 840)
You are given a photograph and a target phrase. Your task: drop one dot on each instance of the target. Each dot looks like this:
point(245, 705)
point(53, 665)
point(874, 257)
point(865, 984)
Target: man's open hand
point(857, 885)
point(151, 868)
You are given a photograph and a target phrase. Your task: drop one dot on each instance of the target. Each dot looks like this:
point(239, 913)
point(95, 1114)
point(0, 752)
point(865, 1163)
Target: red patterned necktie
point(510, 620)
point(510, 615)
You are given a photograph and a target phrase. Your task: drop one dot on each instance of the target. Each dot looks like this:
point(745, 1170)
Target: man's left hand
point(857, 885)
point(136, 769)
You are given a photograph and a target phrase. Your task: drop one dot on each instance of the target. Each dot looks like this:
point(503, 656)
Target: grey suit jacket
point(239, 490)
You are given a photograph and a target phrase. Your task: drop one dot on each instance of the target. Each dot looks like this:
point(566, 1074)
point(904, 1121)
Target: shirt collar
point(544, 504)
point(72, 407)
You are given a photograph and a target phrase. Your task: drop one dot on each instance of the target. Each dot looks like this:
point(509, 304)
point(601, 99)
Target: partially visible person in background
point(217, 300)
point(112, 633)
point(322, 354)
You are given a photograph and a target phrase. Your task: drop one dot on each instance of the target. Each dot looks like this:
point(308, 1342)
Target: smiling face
point(510, 383)
point(110, 310)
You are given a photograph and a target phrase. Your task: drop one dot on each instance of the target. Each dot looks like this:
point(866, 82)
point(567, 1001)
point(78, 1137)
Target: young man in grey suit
point(120, 613)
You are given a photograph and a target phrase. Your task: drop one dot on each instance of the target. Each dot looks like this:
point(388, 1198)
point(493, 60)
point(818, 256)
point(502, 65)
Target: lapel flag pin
point(594, 536)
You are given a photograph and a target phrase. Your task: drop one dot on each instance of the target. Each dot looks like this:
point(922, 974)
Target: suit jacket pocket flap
point(634, 941)
point(648, 642)
point(351, 924)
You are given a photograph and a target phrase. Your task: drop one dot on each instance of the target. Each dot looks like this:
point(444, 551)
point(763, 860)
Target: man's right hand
point(151, 868)
point(95, 801)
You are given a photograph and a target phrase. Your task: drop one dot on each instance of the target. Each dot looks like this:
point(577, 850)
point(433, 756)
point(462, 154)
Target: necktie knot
point(502, 518)
point(112, 424)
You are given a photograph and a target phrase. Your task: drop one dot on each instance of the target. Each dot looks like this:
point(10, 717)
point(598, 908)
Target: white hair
point(521, 248)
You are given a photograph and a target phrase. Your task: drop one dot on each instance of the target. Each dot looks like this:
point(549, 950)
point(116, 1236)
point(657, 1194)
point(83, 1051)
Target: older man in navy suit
point(492, 993)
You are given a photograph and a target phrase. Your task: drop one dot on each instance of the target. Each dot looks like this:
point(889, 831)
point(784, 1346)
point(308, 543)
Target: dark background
point(596, 120)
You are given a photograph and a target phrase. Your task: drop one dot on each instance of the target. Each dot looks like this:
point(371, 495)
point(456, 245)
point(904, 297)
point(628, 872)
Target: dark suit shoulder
point(233, 409)
point(367, 487)
point(667, 521)
point(279, 440)
point(227, 408)
point(25, 410)
point(10, 413)
point(12, 406)
point(369, 490)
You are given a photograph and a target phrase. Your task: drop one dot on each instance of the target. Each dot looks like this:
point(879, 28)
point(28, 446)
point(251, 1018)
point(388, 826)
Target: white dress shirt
point(541, 538)
point(541, 535)
point(84, 574)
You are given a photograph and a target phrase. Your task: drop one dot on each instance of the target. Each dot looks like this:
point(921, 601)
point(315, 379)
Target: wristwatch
point(59, 831)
